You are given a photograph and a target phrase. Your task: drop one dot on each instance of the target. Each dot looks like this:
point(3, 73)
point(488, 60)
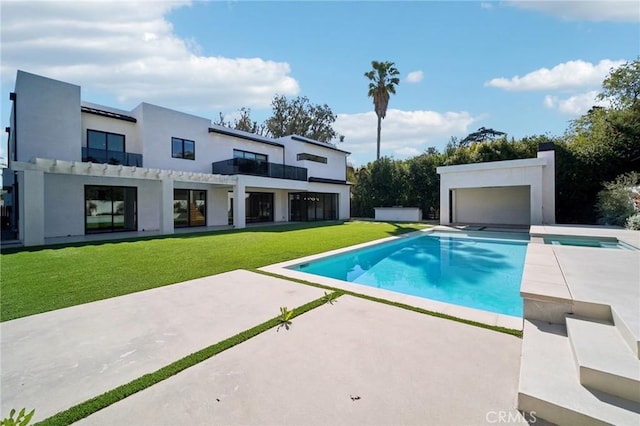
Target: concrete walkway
point(55, 360)
point(353, 362)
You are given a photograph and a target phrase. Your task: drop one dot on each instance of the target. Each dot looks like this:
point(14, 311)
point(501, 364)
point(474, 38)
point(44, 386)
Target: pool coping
point(461, 312)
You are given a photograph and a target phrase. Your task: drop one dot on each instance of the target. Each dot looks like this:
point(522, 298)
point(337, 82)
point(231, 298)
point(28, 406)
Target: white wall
point(344, 197)
point(112, 125)
point(218, 207)
point(48, 118)
point(504, 205)
point(157, 125)
point(335, 168)
point(535, 173)
point(64, 202)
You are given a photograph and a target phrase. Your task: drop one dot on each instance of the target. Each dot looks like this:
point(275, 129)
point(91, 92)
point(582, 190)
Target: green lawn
point(49, 278)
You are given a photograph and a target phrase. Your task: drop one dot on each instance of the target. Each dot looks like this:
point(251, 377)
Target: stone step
point(550, 388)
point(604, 360)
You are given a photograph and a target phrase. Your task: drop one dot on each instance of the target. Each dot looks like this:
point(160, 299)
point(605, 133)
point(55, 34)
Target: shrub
point(615, 203)
point(633, 222)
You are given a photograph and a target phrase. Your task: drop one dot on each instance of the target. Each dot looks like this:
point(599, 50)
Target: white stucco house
point(512, 192)
point(76, 168)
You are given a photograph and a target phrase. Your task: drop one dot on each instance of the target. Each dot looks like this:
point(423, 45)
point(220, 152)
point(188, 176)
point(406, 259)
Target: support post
point(239, 206)
point(32, 207)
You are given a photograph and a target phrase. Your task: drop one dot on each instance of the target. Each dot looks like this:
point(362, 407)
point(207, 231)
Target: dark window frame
point(106, 134)
point(189, 197)
point(312, 157)
point(255, 155)
point(112, 228)
point(313, 206)
point(182, 141)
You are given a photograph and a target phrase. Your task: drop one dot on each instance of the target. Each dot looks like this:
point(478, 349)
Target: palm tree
point(383, 80)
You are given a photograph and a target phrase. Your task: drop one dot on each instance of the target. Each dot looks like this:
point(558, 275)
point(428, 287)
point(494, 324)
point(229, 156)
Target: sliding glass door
point(312, 206)
point(110, 209)
point(189, 208)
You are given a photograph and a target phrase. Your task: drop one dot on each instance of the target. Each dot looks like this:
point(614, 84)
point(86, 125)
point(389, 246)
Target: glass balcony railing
point(243, 166)
point(92, 155)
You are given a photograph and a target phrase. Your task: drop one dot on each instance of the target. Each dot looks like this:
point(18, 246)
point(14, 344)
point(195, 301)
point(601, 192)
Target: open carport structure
point(513, 192)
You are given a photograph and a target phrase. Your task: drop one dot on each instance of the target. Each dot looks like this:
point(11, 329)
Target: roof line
point(109, 114)
point(318, 143)
point(230, 132)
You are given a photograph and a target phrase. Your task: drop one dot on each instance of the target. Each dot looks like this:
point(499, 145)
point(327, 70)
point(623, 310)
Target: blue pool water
point(479, 273)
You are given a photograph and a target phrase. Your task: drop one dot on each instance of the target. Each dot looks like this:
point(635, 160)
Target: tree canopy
point(297, 116)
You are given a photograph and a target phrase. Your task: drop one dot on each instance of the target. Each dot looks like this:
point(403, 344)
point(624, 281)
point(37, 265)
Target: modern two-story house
point(76, 168)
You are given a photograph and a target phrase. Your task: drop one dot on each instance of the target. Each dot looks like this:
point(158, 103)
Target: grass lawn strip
point(517, 333)
point(54, 277)
point(85, 409)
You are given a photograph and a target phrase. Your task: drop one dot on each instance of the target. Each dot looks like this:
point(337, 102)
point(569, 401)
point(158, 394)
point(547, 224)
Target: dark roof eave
point(325, 180)
point(246, 137)
point(109, 114)
point(314, 142)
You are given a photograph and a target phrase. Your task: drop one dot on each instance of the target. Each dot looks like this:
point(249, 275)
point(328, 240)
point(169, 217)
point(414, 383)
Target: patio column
point(536, 198)
point(445, 203)
point(166, 207)
point(31, 187)
point(239, 206)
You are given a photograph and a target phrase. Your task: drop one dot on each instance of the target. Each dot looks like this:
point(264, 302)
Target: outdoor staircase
point(585, 371)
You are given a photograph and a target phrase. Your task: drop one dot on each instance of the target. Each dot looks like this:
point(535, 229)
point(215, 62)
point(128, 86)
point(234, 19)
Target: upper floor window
point(183, 148)
point(249, 155)
point(105, 141)
point(312, 157)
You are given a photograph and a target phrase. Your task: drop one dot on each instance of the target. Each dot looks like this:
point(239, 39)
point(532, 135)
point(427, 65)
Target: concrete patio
point(353, 362)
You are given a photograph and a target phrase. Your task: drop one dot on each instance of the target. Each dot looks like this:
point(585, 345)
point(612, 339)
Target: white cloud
point(133, 55)
point(568, 75)
point(414, 77)
point(404, 133)
point(486, 5)
point(574, 106)
point(576, 10)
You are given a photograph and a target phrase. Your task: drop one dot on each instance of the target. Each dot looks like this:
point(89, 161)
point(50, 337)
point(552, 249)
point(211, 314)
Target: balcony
point(92, 155)
point(243, 166)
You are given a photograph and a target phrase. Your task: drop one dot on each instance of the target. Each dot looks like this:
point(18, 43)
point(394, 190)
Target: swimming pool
point(480, 273)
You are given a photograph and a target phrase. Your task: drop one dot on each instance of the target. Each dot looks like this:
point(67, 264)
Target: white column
point(536, 200)
point(31, 188)
point(166, 207)
point(444, 201)
point(548, 187)
point(239, 207)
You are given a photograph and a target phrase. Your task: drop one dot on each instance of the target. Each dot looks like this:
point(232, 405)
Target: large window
point(105, 147)
point(312, 206)
point(183, 148)
point(312, 157)
point(249, 155)
point(110, 209)
point(105, 141)
point(258, 207)
point(189, 208)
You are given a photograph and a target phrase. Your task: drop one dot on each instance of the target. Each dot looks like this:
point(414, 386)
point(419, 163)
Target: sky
point(521, 67)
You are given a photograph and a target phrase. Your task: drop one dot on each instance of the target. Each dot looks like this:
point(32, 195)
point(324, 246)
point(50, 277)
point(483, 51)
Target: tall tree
point(383, 79)
point(244, 122)
point(299, 117)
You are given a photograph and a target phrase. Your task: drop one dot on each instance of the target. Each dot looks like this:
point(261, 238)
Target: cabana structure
point(513, 192)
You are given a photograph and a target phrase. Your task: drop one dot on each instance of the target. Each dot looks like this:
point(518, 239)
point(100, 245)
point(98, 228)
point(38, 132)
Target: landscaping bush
point(633, 222)
point(615, 203)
